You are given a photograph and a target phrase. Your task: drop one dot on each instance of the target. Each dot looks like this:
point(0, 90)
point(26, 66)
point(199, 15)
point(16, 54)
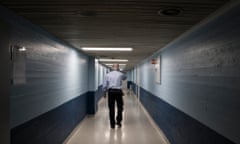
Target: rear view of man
point(113, 85)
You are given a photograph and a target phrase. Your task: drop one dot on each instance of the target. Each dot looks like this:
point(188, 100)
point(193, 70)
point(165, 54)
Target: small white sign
point(19, 66)
point(158, 70)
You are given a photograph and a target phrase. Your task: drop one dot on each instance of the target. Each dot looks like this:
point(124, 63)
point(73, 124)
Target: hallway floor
point(136, 127)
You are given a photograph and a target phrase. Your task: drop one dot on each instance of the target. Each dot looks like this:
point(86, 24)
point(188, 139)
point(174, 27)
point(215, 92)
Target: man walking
point(113, 85)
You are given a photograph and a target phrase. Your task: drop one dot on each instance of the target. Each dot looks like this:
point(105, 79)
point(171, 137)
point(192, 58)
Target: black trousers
point(115, 95)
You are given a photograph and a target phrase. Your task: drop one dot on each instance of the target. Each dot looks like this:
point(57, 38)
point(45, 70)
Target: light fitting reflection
point(116, 134)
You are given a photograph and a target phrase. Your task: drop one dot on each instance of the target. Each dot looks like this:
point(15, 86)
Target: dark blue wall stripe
point(52, 127)
point(176, 125)
point(91, 104)
point(92, 100)
point(99, 93)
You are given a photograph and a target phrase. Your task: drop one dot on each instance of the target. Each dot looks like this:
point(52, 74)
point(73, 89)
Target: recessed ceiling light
point(113, 60)
point(106, 49)
point(170, 11)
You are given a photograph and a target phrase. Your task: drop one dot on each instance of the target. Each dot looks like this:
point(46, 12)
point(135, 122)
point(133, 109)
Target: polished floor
point(137, 127)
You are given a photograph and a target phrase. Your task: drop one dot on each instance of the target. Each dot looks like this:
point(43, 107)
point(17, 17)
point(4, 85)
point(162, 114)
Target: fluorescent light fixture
point(107, 49)
point(113, 60)
point(110, 64)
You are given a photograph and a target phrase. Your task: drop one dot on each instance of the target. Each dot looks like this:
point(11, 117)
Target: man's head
point(115, 67)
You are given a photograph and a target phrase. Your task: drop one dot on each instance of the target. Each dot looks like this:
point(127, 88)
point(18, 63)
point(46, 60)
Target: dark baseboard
point(178, 127)
point(54, 126)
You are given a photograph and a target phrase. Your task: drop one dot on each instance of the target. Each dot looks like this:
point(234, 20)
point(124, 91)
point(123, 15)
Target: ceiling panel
point(115, 23)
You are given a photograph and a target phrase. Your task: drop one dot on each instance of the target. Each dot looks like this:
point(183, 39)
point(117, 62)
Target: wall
point(101, 72)
point(5, 83)
point(198, 98)
point(49, 93)
point(96, 76)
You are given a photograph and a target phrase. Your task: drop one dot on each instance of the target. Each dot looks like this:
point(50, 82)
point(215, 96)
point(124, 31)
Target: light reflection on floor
point(136, 127)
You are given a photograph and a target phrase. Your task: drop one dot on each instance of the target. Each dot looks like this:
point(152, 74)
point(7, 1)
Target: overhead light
point(170, 11)
point(113, 60)
point(107, 49)
point(110, 64)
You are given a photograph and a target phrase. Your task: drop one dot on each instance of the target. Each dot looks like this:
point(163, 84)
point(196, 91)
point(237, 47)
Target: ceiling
point(115, 23)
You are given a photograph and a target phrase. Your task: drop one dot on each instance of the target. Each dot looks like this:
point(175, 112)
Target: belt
point(119, 91)
point(114, 89)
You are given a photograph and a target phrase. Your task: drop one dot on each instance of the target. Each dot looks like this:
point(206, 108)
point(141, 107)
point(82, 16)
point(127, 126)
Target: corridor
point(181, 59)
point(136, 128)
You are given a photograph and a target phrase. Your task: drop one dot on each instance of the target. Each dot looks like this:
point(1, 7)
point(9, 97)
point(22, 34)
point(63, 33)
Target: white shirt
point(113, 80)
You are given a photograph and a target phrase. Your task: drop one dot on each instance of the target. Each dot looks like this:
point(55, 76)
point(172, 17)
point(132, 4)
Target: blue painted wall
point(200, 74)
point(50, 90)
point(100, 72)
point(96, 76)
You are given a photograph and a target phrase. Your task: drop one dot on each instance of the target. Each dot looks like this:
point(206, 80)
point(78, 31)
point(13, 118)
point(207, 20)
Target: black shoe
point(119, 124)
point(113, 127)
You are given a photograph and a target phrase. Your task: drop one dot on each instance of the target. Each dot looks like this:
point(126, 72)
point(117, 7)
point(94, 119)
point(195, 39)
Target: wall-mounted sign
point(158, 69)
